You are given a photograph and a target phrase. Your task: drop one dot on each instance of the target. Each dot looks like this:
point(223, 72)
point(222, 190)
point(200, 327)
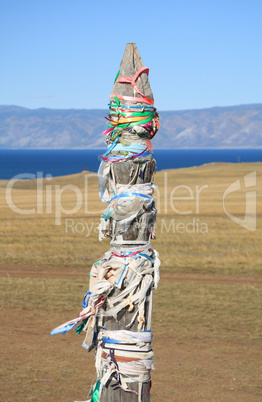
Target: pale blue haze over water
point(63, 162)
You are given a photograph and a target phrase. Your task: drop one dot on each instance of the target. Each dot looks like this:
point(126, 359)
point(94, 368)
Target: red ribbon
point(150, 385)
point(132, 81)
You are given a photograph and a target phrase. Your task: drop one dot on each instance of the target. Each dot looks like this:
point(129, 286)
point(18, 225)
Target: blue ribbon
point(85, 302)
point(146, 256)
point(122, 273)
point(133, 107)
point(131, 194)
point(64, 329)
point(111, 146)
point(133, 147)
point(145, 153)
point(108, 340)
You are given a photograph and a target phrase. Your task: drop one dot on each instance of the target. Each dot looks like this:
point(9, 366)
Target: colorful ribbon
point(132, 81)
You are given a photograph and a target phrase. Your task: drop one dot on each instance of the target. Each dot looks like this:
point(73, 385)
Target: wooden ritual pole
point(117, 309)
point(131, 93)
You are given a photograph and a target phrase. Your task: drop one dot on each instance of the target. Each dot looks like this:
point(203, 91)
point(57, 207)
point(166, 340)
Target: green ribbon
point(80, 327)
point(133, 114)
point(95, 396)
point(116, 98)
point(118, 104)
point(117, 101)
point(117, 75)
point(115, 134)
point(136, 123)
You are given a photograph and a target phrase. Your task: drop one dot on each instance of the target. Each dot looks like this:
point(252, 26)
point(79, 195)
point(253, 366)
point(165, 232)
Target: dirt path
point(48, 272)
point(37, 367)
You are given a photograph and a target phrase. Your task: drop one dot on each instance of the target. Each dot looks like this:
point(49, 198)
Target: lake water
point(62, 162)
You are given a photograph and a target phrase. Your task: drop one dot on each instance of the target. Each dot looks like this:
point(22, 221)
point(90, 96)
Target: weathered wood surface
point(128, 172)
point(130, 64)
point(135, 172)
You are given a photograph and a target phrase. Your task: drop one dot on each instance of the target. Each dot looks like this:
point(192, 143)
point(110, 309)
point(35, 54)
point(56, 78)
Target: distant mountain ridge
point(217, 127)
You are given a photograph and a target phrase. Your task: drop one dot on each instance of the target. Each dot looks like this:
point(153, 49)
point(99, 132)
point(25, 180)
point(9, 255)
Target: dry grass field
point(207, 310)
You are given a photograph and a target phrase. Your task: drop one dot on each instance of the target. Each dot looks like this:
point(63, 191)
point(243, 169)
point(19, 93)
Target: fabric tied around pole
point(124, 357)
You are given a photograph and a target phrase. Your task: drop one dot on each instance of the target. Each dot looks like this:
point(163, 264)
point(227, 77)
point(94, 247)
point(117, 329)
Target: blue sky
point(65, 54)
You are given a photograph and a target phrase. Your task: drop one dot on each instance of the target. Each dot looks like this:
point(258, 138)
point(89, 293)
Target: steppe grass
point(206, 340)
point(206, 335)
point(215, 311)
point(193, 232)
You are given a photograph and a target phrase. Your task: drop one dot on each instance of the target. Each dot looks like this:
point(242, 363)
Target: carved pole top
point(132, 77)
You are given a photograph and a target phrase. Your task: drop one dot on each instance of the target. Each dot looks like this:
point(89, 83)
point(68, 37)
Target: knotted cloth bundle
point(134, 272)
point(121, 356)
point(124, 357)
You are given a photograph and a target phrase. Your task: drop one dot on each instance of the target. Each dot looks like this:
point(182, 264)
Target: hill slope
point(218, 127)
